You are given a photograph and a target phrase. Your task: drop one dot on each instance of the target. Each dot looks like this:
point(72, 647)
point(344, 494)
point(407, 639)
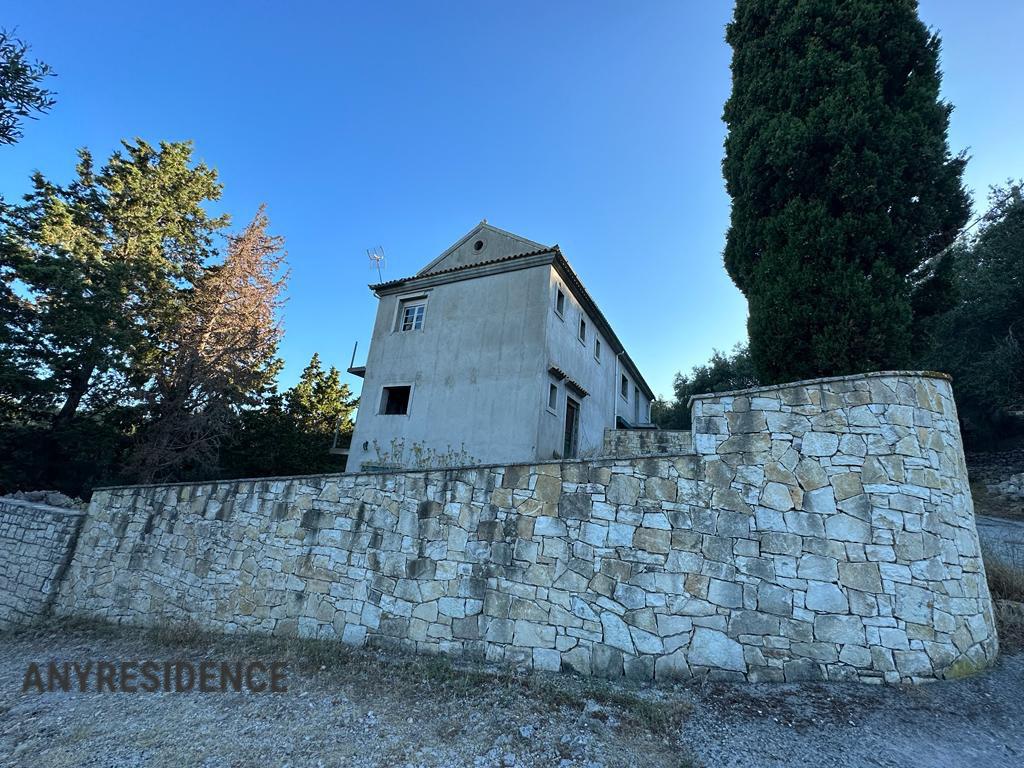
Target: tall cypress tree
point(841, 179)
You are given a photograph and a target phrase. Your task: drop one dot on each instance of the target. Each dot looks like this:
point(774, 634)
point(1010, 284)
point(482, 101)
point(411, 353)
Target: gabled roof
point(498, 243)
point(553, 256)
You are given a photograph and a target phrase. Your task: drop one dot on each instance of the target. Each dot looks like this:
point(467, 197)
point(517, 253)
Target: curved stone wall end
point(864, 480)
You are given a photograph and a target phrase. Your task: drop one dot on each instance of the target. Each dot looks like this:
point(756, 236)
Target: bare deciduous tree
point(221, 358)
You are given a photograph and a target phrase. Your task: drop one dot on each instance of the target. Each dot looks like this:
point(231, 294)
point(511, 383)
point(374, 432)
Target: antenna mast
point(376, 256)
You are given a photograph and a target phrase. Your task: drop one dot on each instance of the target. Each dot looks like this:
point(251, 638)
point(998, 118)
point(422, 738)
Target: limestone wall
point(858, 489)
point(820, 530)
point(646, 442)
point(36, 542)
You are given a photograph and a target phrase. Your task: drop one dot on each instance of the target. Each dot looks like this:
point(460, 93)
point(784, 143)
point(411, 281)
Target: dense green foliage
point(723, 372)
point(133, 348)
point(979, 339)
point(841, 180)
point(92, 276)
point(103, 261)
point(21, 89)
point(294, 432)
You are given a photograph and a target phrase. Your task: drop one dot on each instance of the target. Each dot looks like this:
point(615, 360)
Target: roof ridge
point(460, 267)
point(465, 238)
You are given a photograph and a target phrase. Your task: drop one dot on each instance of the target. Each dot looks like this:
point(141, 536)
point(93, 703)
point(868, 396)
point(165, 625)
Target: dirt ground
point(370, 708)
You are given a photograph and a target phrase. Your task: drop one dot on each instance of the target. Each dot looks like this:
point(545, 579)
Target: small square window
point(553, 397)
point(583, 330)
point(411, 313)
point(394, 401)
point(597, 350)
point(560, 303)
point(624, 388)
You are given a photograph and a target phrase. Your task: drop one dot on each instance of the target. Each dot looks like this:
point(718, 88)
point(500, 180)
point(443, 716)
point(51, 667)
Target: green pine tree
point(294, 432)
point(841, 179)
point(21, 89)
point(320, 403)
point(980, 338)
point(103, 265)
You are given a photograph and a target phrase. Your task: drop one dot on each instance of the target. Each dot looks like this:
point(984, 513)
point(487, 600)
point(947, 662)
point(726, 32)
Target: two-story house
point(494, 352)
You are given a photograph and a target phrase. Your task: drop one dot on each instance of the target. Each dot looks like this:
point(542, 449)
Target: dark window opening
point(395, 401)
point(560, 303)
point(478, 245)
point(570, 437)
point(553, 396)
point(624, 388)
point(597, 349)
point(583, 330)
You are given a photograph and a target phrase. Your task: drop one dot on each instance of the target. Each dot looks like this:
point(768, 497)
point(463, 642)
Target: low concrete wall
point(821, 530)
point(36, 543)
point(647, 442)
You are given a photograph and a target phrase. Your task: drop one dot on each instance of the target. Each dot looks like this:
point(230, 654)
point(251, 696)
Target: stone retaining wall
point(646, 442)
point(36, 542)
point(821, 530)
point(859, 489)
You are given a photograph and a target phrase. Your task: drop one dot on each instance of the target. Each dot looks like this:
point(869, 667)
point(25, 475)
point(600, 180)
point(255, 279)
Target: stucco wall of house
point(599, 377)
point(820, 530)
point(477, 370)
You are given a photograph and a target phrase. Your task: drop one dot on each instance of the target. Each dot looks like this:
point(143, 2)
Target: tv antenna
point(376, 256)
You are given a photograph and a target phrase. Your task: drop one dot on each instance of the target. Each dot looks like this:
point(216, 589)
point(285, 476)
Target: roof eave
point(602, 322)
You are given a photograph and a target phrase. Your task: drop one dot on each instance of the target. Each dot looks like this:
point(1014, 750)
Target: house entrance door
point(572, 428)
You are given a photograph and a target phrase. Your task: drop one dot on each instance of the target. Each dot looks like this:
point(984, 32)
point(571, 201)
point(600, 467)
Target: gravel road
point(376, 709)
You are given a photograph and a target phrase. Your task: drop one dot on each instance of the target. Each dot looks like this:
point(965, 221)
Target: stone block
point(652, 540)
point(711, 648)
point(776, 496)
point(843, 527)
point(819, 444)
point(724, 593)
point(826, 598)
point(623, 489)
point(575, 506)
point(861, 576)
point(549, 526)
point(606, 661)
point(839, 629)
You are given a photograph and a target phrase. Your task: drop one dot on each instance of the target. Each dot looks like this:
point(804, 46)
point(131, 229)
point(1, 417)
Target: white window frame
point(552, 388)
point(405, 302)
point(624, 394)
point(559, 293)
point(597, 348)
point(581, 330)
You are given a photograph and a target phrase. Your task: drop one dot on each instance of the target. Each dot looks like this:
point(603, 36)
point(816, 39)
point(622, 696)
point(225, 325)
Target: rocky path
point(365, 709)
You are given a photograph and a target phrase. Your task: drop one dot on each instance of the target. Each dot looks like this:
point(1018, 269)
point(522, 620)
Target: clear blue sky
point(594, 125)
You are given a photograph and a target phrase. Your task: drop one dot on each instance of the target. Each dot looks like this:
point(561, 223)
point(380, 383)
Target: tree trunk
point(78, 386)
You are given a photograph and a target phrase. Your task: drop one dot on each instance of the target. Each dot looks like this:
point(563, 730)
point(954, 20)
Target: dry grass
point(1005, 579)
point(436, 676)
point(1006, 585)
